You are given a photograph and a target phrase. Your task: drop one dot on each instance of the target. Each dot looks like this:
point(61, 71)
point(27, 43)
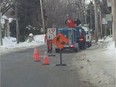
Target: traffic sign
point(51, 33)
point(60, 40)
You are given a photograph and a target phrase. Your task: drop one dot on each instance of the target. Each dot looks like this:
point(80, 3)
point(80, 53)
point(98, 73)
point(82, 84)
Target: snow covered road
point(97, 65)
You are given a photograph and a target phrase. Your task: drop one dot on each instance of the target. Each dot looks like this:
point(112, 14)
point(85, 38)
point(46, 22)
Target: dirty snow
point(97, 64)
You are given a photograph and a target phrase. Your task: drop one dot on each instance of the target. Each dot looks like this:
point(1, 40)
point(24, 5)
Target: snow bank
point(10, 44)
point(109, 44)
point(9, 41)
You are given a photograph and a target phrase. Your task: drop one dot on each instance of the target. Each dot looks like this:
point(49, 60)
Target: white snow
point(10, 44)
point(109, 45)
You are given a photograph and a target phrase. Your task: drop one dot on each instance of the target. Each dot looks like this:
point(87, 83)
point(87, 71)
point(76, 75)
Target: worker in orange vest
point(49, 43)
point(69, 22)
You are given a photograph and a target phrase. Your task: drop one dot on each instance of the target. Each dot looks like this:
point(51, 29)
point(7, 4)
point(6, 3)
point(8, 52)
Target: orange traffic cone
point(45, 59)
point(36, 56)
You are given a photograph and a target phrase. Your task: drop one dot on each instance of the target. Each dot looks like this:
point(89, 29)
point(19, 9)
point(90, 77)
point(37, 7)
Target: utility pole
point(96, 21)
point(1, 43)
point(114, 20)
point(101, 24)
point(42, 16)
point(17, 23)
point(91, 16)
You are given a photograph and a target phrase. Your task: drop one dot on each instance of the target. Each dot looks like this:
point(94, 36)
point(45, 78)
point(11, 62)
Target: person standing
point(69, 22)
point(77, 22)
point(49, 43)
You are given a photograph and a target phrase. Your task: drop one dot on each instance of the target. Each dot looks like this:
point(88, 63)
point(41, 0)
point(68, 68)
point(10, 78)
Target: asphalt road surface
point(19, 70)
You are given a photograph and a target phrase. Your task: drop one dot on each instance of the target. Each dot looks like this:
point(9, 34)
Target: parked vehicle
point(88, 36)
point(70, 34)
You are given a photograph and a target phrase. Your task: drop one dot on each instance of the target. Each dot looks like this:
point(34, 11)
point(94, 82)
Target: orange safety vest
point(70, 23)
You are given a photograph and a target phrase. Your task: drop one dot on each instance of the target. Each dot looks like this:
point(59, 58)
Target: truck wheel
point(76, 50)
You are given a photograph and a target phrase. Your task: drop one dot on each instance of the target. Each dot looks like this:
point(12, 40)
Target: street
point(19, 70)
point(57, 43)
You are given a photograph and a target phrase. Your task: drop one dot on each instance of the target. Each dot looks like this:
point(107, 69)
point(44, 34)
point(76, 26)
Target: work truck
point(70, 34)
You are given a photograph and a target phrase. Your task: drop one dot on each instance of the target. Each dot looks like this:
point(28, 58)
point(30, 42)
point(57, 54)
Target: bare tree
point(4, 6)
point(57, 10)
point(54, 11)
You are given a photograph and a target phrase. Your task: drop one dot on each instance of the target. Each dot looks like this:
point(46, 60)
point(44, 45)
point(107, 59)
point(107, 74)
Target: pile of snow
point(10, 44)
point(109, 44)
point(9, 41)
